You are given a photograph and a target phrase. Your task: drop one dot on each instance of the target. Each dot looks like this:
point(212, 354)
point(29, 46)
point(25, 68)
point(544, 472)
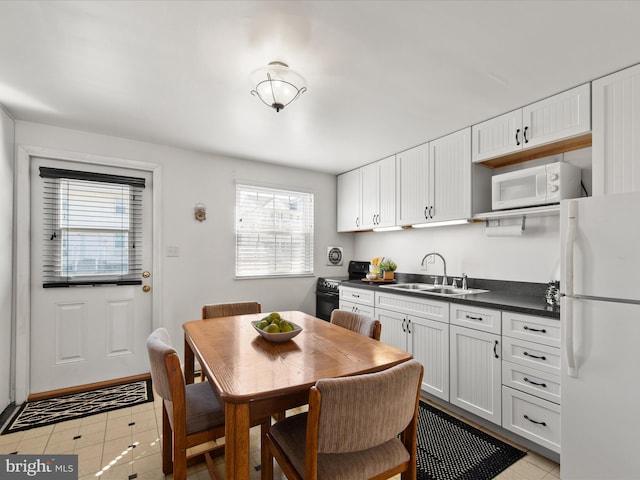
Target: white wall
point(204, 271)
point(6, 263)
point(533, 257)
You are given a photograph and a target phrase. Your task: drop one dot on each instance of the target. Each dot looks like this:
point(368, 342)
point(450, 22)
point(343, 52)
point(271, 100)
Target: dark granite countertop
point(521, 297)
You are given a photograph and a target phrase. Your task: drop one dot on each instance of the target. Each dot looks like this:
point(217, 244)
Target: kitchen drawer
point(531, 328)
point(357, 295)
point(357, 308)
point(530, 380)
point(484, 319)
point(529, 354)
point(421, 307)
point(532, 418)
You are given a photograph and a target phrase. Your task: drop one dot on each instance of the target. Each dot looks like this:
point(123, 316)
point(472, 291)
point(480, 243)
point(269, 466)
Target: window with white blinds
point(274, 232)
point(92, 227)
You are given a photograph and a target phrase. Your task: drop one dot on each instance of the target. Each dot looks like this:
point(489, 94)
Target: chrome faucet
point(444, 264)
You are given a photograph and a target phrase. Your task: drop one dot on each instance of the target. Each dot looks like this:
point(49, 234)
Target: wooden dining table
point(256, 378)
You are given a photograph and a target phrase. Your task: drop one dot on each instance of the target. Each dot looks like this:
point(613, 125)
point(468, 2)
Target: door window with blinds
point(92, 228)
point(274, 232)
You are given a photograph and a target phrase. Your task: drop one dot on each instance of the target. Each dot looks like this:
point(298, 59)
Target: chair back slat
point(228, 309)
point(363, 411)
point(356, 322)
point(159, 348)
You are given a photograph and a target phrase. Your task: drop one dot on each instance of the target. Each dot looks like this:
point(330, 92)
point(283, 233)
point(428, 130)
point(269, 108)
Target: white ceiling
point(382, 76)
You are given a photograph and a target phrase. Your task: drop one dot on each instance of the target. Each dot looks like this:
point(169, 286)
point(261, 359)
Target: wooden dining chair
point(215, 310)
point(228, 309)
point(357, 322)
point(191, 413)
point(356, 428)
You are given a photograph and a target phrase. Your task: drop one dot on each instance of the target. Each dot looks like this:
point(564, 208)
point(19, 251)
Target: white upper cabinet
point(616, 132)
point(349, 208)
point(379, 194)
point(561, 116)
point(498, 136)
point(367, 196)
point(435, 181)
point(451, 166)
point(413, 180)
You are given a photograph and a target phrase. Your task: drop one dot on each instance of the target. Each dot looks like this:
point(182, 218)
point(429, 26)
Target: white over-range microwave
point(533, 186)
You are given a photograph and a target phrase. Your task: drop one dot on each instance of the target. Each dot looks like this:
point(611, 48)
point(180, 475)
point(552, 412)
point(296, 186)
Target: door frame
point(22, 238)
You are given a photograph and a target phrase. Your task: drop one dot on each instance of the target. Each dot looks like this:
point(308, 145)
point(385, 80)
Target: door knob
point(146, 289)
point(146, 274)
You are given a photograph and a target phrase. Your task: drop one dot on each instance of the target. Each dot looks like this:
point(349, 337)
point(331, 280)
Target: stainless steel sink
point(433, 290)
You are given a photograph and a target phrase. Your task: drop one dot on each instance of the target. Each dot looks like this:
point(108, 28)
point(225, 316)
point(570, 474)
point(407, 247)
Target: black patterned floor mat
point(449, 449)
point(78, 405)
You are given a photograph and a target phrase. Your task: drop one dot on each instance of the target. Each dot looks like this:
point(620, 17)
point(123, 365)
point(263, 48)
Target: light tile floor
point(125, 444)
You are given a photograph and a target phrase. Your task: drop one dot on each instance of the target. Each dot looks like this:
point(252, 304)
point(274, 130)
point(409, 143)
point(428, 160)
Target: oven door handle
point(327, 294)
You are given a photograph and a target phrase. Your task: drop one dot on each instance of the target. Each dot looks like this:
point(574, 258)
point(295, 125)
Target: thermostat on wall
point(334, 256)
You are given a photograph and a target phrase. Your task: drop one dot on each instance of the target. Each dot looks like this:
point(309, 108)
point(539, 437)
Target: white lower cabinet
point(357, 295)
point(531, 417)
point(475, 377)
point(531, 388)
point(356, 308)
point(421, 327)
point(501, 366)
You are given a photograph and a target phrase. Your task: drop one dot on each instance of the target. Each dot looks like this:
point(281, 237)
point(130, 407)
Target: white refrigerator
point(600, 315)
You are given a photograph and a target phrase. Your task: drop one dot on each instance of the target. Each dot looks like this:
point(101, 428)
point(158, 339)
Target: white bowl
point(371, 276)
point(278, 337)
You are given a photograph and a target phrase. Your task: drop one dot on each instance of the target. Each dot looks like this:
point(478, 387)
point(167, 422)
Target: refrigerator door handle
point(569, 242)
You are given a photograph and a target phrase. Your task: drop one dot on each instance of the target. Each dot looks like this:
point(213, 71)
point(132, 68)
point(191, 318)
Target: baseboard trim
point(87, 387)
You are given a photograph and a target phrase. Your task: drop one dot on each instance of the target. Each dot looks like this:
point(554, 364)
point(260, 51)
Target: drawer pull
point(533, 421)
point(541, 330)
point(355, 295)
point(543, 385)
point(471, 317)
point(541, 357)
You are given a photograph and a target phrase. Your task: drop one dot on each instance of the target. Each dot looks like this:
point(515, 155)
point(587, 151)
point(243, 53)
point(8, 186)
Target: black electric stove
point(327, 294)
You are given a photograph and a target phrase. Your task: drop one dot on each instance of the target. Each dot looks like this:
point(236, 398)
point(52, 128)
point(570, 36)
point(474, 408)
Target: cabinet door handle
point(495, 347)
point(543, 385)
point(541, 330)
point(426, 212)
point(471, 317)
point(409, 326)
point(431, 209)
point(403, 324)
point(357, 221)
point(541, 357)
point(533, 421)
point(524, 134)
point(518, 137)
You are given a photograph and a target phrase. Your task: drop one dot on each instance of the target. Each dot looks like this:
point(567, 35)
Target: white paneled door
point(88, 332)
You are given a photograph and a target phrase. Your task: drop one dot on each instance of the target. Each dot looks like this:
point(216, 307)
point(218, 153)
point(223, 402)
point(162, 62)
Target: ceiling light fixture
point(277, 85)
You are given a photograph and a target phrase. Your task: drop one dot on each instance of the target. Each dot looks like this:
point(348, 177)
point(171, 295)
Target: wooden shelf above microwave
point(573, 143)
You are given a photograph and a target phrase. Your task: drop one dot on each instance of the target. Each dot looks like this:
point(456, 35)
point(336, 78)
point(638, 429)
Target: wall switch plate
point(173, 251)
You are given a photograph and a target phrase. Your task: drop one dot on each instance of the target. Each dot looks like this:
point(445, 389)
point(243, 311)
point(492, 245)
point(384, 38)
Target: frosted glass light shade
point(277, 85)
